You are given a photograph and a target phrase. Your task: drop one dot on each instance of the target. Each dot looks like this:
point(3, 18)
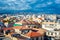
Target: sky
point(47, 6)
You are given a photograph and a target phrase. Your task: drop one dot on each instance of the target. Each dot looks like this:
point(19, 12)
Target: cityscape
point(29, 19)
point(30, 27)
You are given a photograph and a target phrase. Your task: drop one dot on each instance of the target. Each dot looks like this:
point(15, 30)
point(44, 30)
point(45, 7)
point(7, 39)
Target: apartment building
point(52, 30)
point(55, 35)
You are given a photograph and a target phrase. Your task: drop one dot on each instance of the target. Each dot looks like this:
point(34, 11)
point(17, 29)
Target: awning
point(17, 25)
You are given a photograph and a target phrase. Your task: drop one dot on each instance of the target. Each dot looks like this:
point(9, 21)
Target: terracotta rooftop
point(33, 34)
point(28, 22)
point(7, 29)
point(21, 27)
point(40, 30)
point(17, 27)
point(36, 32)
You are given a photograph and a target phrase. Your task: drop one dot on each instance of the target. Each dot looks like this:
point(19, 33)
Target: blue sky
point(50, 6)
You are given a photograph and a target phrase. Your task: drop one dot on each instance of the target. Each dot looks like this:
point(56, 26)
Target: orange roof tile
point(32, 22)
point(17, 27)
point(21, 27)
point(22, 21)
point(28, 22)
point(7, 29)
point(40, 30)
point(24, 28)
point(33, 34)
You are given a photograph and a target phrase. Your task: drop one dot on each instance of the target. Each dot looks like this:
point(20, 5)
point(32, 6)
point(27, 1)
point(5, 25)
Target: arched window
point(48, 33)
point(55, 33)
point(52, 33)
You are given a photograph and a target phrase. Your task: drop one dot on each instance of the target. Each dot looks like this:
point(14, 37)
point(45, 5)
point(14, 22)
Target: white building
point(50, 17)
point(53, 30)
point(55, 35)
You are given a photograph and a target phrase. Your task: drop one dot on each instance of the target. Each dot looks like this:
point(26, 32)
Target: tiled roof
point(22, 21)
point(28, 22)
point(33, 34)
point(40, 30)
point(17, 27)
point(7, 29)
point(36, 32)
point(21, 27)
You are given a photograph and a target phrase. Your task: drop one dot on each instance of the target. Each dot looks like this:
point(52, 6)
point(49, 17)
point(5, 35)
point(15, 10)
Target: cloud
point(57, 1)
point(49, 3)
point(29, 1)
point(23, 4)
point(16, 8)
point(16, 5)
point(41, 5)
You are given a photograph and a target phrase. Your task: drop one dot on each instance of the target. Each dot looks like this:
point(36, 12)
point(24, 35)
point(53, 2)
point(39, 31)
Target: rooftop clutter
point(30, 27)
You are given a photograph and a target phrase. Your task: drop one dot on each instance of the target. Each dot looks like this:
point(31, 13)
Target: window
point(55, 29)
point(59, 33)
point(48, 33)
point(52, 24)
point(32, 38)
point(34, 26)
point(29, 26)
point(55, 33)
point(37, 38)
point(42, 20)
point(51, 33)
